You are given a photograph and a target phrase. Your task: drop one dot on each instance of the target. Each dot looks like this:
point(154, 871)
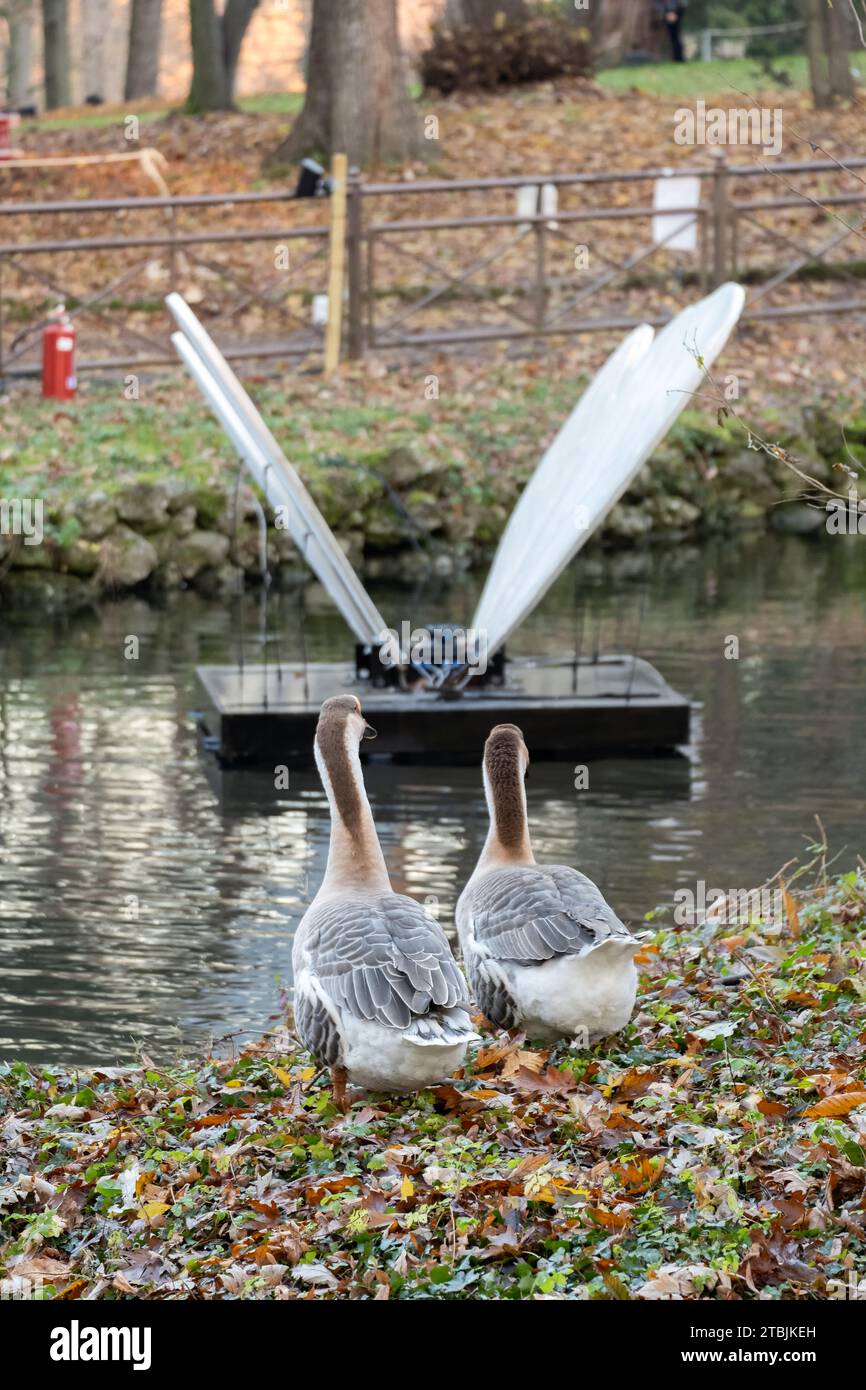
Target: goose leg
point(339, 1078)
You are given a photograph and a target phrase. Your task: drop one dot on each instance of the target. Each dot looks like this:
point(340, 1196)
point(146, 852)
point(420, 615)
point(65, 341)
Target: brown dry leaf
point(772, 1107)
point(619, 1118)
point(634, 1082)
point(611, 1220)
point(487, 1057)
point(528, 1165)
point(40, 1267)
point(650, 949)
point(523, 1058)
point(450, 1097)
point(314, 1195)
point(72, 1291)
point(220, 1117)
point(550, 1080)
point(834, 1106)
point(791, 913)
point(640, 1176)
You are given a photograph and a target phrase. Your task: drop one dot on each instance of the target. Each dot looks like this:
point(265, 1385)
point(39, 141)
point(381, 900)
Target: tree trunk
point(208, 91)
point(55, 33)
point(839, 45)
point(216, 46)
point(827, 39)
point(620, 27)
point(311, 132)
point(19, 55)
point(95, 36)
point(142, 61)
point(236, 19)
point(356, 100)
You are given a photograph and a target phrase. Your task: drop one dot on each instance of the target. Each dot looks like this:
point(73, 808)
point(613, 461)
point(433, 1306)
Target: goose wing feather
point(383, 958)
point(531, 913)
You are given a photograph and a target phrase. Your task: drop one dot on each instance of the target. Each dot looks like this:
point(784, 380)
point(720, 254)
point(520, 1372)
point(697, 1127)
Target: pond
point(148, 900)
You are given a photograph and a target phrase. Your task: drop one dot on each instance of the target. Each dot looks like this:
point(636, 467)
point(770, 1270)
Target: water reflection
point(145, 897)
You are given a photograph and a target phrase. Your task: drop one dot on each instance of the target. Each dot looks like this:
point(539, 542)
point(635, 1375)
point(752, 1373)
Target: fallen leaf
point(834, 1106)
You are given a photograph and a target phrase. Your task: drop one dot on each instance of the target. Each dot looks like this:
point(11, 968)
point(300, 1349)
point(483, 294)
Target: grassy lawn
point(268, 103)
point(686, 80)
point(693, 80)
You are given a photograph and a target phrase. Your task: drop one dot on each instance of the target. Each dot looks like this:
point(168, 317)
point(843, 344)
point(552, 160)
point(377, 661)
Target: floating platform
point(259, 716)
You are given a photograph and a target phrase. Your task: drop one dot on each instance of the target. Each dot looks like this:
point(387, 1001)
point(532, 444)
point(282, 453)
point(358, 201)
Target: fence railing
point(430, 263)
point(706, 36)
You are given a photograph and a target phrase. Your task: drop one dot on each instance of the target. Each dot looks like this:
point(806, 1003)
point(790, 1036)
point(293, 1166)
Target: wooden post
point(356, 286)
point(540, 240)
point(721, 219)
point(337, 264)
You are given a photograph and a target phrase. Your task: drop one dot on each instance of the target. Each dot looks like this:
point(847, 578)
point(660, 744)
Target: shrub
point(541, 44)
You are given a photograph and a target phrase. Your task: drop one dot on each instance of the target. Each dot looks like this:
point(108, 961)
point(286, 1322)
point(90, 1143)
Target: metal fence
point(430, 263)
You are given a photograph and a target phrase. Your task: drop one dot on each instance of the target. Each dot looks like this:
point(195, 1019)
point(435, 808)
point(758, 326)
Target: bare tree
point(55, 38)
point(19, 16)
point(216, 46)
point(356, 100)
point(94, 62)
point(828, 39)
point(142, 60)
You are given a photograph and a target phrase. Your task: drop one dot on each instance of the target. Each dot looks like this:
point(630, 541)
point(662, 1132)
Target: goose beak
point(369, 731)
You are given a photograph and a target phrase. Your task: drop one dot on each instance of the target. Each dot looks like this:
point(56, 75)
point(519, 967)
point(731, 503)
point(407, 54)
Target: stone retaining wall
point(398, 515)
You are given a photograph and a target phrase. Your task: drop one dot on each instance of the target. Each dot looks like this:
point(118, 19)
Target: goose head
point(343, 714)
point(339, 732)
point(506, 746)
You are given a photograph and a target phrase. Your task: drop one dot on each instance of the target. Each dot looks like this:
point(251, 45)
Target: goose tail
point(441, 1028)
point(614, 949)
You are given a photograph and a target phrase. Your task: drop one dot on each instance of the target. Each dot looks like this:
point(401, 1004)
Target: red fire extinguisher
point(58, 356)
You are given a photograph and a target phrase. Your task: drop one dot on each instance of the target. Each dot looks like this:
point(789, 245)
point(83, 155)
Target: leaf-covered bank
point(715, 1149)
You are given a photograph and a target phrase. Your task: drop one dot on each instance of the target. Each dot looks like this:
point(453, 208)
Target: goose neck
point(508, 837)
point(355, 856)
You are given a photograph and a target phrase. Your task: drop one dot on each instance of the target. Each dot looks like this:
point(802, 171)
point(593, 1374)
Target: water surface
point(146, 899)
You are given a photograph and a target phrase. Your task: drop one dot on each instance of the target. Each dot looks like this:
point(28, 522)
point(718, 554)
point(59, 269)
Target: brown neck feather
point(331, 738)
point(502, 760)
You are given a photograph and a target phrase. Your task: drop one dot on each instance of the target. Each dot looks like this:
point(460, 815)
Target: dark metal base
point(266, 716)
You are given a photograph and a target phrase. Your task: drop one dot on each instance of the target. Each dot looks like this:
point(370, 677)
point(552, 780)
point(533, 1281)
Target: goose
point(379, 997)
point(543, 950)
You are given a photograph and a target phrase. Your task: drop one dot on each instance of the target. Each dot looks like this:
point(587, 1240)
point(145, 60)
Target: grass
point(693, 80)
point(691, 1156)
point(267, 103)
point(104, 442)
point(101, 435)
point(677, 80)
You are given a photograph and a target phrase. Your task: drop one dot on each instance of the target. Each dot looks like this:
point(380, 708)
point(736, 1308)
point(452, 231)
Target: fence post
point(172, 253)
point(356, 283)
point(540, 240)
point(337, 254)
point(721, 219)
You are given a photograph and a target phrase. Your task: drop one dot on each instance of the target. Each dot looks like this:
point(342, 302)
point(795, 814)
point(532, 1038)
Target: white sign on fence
point(678, 230)
point(527, 202)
